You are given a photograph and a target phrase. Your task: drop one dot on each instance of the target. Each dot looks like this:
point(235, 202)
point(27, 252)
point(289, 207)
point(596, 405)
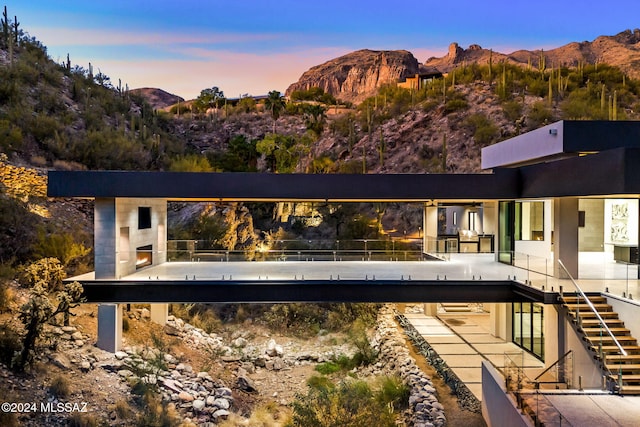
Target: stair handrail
point(557, 362)
point(593, 309)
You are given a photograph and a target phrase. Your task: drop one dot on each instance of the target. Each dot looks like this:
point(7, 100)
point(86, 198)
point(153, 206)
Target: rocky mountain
point(621, 50)
point(358, 75)
point(157, 98)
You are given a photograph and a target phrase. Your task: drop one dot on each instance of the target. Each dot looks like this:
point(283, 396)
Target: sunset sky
point(252, 47)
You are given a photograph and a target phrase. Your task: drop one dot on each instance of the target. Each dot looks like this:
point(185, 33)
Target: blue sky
point(253, 46)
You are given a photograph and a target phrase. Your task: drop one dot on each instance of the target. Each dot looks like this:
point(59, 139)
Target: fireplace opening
point(144, 256)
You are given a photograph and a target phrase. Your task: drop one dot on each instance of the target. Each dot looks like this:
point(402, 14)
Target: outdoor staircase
point(613, 364)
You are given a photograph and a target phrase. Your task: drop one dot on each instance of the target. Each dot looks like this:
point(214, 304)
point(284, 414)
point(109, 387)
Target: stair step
point(625, 367)
point(630, 349)
point(584, 307)
point(590, 323)
point(591, 315)
point(593, 299)
point(630, 390)
point(626, 378)
point(607, 339)
point(615, 331)
point(619, 358)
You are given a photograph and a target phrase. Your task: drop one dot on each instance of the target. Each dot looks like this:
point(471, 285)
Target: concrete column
point(430, 228)
point(109, 327)
point(500, 320)
point(105, 259)
point(565, 235)
point(159, 313)
point(430, 309)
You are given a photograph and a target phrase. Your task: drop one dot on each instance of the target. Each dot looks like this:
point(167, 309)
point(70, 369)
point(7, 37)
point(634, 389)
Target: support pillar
point(159, 313)
point(430, 309)
point(500, 320)
point(430, 227)
point(565, 235)
point(109, 327)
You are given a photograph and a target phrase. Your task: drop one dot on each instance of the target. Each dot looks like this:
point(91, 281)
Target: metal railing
point(561, 370)
point(602, 325)
point(529, 399)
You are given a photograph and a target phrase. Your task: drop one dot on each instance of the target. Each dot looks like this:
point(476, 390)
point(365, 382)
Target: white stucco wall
point(540, 248)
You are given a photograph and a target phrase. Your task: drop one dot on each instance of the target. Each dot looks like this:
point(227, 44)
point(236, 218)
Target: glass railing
point(409, 249)
point(529, 399)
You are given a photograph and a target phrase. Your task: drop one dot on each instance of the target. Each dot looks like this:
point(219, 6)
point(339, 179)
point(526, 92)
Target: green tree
point(275, 104)
point(209, 98)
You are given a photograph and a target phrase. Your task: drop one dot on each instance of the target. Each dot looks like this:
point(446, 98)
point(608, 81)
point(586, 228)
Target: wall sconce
point(553, 132)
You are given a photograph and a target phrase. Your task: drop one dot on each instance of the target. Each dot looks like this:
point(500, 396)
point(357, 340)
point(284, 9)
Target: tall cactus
point(5, 27)
point(444, 153)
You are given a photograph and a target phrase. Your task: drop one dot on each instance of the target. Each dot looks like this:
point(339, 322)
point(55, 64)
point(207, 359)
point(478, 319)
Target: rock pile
point(394, 358)
point(196, 395)
point(466, 399)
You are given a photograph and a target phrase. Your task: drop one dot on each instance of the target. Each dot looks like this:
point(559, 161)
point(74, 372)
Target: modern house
point(566, 192)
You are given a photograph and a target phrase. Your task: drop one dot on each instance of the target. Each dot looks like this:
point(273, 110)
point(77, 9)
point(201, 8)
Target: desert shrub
point(59, 387)
point(10, 136)
point(512, 110)
point(539, 114)
point(190, 163)
point(338, 364)
point(455, 104)
point(366, 354)
point(123, 409)
point(60, 246)
point(393, 391)
point(156, 414)
point(46, 271)
point(348, 404)
point(484, 130)
point(198, 315)
point(17, 230)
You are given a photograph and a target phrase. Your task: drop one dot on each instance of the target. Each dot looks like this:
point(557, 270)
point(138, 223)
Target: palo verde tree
point(209, 98)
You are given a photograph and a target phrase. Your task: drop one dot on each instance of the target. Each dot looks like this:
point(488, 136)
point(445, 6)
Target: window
point(528, 327)
point(144, 217)
point(529, 218)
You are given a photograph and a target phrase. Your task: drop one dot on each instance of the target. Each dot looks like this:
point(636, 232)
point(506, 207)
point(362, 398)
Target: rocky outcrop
point(358, 75)
point(621, 50)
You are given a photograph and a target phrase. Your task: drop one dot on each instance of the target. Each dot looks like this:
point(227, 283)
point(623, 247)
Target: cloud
point(110, 37)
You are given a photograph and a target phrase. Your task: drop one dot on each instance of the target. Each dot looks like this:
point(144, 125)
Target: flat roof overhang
point(607, 173)
point(281, 291)
point(562, 139)
point(502, 184)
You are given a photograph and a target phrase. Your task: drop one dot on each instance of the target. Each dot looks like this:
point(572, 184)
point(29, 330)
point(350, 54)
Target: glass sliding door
point(506, 217)
point(528, 327)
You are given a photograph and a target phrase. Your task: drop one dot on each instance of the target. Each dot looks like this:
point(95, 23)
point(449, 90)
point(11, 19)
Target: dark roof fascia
point(502, 184)
point(611, 172)
point(599, 135)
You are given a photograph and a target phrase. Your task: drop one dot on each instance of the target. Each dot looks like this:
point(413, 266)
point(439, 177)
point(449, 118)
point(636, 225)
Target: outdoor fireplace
point(144, 256)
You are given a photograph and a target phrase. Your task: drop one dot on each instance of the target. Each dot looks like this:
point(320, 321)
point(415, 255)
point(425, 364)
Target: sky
point(255, 46)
